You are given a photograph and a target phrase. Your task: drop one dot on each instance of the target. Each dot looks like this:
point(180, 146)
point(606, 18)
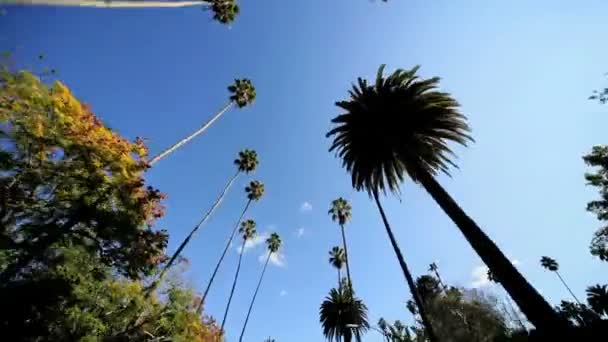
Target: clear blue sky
point(521, 69)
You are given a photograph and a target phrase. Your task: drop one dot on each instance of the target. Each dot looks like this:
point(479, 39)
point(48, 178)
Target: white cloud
point(515, 262)
point(306, 206)
point(300, 232)
point(277, 259)
point(283, 293)
point(480, 277)
point(257, 240)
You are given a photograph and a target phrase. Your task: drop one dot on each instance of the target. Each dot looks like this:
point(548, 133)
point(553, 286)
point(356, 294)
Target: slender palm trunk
point(107, 4)
point(236, 278)
point(567, 287)
point(406, 272)
point(339, 278)
point(191, 136)
point(350, 282)
point(533, 305)
point(185, 242)
point(255, 294)
point(199, 309)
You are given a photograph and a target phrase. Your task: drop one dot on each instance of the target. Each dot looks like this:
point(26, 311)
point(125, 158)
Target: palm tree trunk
point(191, 136)
point(339, 278)
point(199, 309)
point(406, 272)
point(107, 4)
point(346, 257)
point(533, 305)
point(185, 242)
point(236, 277)
point(254, 296)
point(567, 287)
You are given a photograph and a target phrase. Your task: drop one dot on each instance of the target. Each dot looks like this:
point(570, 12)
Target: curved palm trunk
point(532, 304)
point(236, 278)
point(255, 294)
point(406, 272)
point(185, 242)
point(191, 136)
point(107, 4)
point(567, 287)
point(199, 309)
point(346, 257)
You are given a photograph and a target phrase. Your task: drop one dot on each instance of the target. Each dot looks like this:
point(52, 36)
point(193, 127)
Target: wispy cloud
point(256, 241)
point(479, 277)
point(300, 232)
point(277, 259)
point(306, 206)
point(283, 293)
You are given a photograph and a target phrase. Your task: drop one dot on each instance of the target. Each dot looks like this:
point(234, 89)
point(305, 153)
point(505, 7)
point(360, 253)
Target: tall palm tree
point(400, 126)
point(551, 264)
point(336, 259)
point(273, 244)
point(340, 212)
point(254, 191)
point(343, 316)
point(249, 232)
point(242, 93)
point(224, 11)
point(246, 162)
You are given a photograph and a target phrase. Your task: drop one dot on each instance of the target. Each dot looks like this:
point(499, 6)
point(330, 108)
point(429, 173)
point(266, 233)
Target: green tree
point(273, 244)
point(336, 259)
point(598, 158)
point(340, 212)
point(242, 94)
point(249, 232)
point(343, 316)
point(254, 191)
point(400, 126)
point(552, 265)
point(246, 162)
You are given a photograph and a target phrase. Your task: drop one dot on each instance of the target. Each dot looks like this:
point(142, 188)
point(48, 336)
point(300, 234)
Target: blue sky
point(522, 71)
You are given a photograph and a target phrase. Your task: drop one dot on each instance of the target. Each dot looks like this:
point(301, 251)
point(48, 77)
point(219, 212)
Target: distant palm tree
point(242, 93)
point(273, 244)
point(597, 297)
point(249, 232)
point(435, 269)
point(246, 162)
point(552, 265)
point(269, 340)
point(340, 212)
point(336, 259)
point(400, 126)
point(343, 316)
point(254, 192)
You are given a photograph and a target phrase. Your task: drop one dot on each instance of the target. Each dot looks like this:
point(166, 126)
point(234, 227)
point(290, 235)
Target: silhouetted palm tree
point(242, 93)
point(249, 232)
point(273, 244)
point(340, 212)
point(343, 316)
point(224, 11)
point(552, 265)
point(597, 297)
point(246, 162)
point(336, 259)
point(254, 192)
point(400, 126)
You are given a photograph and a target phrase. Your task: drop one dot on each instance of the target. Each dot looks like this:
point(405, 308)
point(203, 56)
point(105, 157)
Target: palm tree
point(249, 232)
point(254, 192)
point(597, 297)
point(435, 269)
point(273, 244)
point(246, 162)
point(400, 126)
point(224, 11)
point(343, 316)
point(242, 93)
point(340, 212)
point(552, 265)
point(336, 259)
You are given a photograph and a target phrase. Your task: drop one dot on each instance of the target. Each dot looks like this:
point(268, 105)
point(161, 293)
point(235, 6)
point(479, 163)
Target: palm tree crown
point(247, 161)
point(255, 190)
point(343, 316)
point(274, 243)
point(400, 124)
point(248, 229)
point(243, 92)
point(224, 11)
point(336, 257)
point(549, 264)
point(340, 211)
